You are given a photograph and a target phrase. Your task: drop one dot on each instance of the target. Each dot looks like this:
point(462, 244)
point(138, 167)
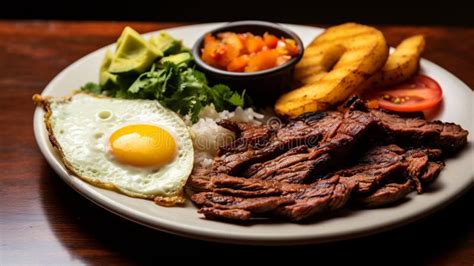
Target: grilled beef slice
point(387, 194)
point(267, 172)
point(247, 136)
point(322, 196)
point(267, 198)
point(381, 164)
point(374, 177)
point(375, 167)
point(308, 131)
point(300, 164)
point(256, 144)
point(417, 161)
point(417, 132)
point(432, 171)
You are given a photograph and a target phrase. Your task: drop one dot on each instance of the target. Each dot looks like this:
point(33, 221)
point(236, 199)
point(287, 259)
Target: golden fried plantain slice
point(402, 64)
point(354, 52)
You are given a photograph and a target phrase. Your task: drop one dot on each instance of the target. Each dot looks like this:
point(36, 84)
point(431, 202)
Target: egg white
point(80, 128)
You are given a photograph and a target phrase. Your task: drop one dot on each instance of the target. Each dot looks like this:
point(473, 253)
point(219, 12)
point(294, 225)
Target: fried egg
point(137, 147)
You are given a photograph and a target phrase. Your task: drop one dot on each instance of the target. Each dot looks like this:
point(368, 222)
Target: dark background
point(447, 12)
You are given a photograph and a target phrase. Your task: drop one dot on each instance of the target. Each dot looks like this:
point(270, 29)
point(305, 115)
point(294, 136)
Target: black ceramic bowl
point(263, 86)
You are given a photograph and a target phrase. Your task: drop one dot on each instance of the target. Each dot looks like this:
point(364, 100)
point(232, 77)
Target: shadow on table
point(91, 235)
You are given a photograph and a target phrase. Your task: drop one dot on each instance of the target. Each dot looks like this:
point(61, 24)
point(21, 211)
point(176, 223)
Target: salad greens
point(172, 80)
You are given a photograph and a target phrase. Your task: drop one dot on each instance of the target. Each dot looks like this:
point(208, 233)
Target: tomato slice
point(417, 94)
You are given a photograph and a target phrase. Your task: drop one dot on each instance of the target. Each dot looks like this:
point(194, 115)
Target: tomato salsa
point(246, 52)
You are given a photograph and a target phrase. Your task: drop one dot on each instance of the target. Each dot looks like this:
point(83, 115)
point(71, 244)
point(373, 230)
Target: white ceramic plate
point(455, 179)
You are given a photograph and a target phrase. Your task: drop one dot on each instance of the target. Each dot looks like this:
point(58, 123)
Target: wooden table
point(44, 221)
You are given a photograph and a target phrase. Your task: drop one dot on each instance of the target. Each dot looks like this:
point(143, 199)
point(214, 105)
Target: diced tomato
point(270, 40)
point(208, 39)
point(243, 36)
point(254, 44)
point(240, 52)
point(417, 94)
point(291, 47)
point(238, 64)
point(233, 40)
point(210, 52)
point(226, 54)
point(218, 53)
point(262, 60)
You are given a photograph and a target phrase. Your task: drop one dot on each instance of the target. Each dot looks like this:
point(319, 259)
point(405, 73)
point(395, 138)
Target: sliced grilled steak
point(300, 164)
point(416, 132)
point(432, 171)
point(242, 152)
point(247, 136)
point(237, 186)
point(243, 187)
point(294, 166)
point(261, 143)
point(304, 171)
point(288, 158)
point(371, 176)
point(325, 195)
point(232, 163)
point(293, 201)
point(387, 194)
point(383, 163)
point(254, 205)
point(267, 171)
point(417, 160)
point(309, 130)
point(375, 167)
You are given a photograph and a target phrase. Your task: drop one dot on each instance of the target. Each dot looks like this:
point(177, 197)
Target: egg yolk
point(142, 145)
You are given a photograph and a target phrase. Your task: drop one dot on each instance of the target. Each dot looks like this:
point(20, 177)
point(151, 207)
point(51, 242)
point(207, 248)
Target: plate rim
point(158, 223)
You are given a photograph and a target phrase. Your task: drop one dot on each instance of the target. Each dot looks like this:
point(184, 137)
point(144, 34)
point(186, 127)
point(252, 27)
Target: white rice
point(208, 136)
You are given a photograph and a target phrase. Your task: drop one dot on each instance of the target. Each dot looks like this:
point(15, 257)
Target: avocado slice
point(166, 44)
point(106, 79)
point(177, 59)
point(133, 53)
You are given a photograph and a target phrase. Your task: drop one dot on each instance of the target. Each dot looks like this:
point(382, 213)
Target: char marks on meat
point(383, 163)
point(299, 164)
point(375, 167)
point(320, 161)
point(256, 197)
point(387, 194)
point(243, 152)
point(416, 131)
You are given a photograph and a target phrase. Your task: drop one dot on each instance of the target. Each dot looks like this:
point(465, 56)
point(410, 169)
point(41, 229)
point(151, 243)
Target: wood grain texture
point(44, 221)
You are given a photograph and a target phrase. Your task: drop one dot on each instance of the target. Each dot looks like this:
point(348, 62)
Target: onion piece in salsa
point(246, 52)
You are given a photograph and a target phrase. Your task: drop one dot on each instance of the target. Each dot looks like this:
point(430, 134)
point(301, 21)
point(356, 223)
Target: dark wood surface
point(44, 221)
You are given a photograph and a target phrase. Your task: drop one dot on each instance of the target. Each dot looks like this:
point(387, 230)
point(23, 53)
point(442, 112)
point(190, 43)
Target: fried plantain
point(333, 67)
point(401, 65)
